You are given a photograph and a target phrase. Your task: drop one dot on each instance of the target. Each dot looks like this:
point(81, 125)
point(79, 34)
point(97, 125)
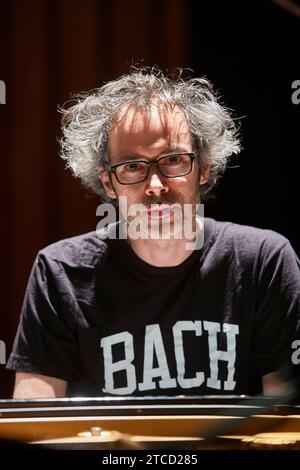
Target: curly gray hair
point(86, 124)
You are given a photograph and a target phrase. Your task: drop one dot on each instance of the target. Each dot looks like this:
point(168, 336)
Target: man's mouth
point(160, 210)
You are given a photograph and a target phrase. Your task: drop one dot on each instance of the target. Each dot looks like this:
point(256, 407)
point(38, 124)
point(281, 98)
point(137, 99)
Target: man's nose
point(155, 184)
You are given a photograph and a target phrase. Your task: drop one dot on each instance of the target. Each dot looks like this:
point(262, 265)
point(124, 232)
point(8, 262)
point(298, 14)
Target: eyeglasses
point(137, 171)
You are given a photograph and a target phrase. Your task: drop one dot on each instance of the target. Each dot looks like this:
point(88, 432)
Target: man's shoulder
point(81, 250)
point(246, 239)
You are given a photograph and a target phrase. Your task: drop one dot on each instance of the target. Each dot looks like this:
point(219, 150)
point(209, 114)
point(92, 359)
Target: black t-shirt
point(99, 317)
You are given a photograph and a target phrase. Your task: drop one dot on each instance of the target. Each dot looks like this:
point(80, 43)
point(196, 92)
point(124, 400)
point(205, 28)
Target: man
point(164, 302)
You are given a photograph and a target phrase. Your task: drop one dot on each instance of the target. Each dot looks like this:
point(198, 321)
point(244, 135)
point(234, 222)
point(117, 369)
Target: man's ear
point(106, 182)
point(205, 170)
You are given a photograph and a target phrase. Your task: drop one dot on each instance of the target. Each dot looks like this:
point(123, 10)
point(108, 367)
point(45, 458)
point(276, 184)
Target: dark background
point(51, 49)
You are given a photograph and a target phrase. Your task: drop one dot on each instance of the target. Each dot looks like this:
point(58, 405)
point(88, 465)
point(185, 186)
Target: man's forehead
point(148, 131)
point(155, 116)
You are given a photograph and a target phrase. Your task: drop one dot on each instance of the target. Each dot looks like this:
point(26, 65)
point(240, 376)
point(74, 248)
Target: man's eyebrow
point(126, 158)
point(167, 151)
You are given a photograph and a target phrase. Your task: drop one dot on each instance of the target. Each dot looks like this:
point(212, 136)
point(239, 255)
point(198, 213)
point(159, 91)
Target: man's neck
point(164, 253)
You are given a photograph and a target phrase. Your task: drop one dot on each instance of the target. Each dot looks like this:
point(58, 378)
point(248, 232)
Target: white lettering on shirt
point(178, 329)
point(216, 355)
point(154, 344)
point(111, 367)
point(154, 347)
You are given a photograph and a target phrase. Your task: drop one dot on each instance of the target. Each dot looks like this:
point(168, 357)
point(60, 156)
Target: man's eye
point(173, 160)
point(131, 167)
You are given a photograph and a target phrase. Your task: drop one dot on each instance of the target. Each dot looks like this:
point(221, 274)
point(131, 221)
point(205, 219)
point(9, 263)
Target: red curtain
point(49, 50)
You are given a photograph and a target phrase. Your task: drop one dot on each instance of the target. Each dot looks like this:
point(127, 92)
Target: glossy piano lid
point(129, 406)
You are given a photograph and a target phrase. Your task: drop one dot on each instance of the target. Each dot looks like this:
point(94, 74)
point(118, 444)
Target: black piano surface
point(132, 406)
